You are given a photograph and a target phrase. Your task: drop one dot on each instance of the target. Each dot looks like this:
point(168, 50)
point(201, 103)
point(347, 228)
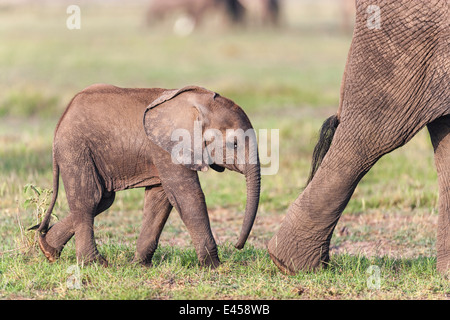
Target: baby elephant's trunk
point(253, 180)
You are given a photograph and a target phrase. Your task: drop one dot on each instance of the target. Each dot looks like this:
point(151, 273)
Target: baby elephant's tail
point(326, 136)
point(43, 226)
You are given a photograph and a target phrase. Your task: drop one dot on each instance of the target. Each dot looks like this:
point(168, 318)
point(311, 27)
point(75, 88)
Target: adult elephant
point(396, 81)
point(110, 139)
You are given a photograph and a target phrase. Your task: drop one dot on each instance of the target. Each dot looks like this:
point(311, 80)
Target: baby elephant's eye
point(235, 145)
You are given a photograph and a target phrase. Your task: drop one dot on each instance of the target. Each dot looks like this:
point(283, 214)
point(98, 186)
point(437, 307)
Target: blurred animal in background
point(262, 12)
point(192, 13)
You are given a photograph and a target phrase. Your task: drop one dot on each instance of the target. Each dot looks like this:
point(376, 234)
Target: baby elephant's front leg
point(192, 209)
point(156, 211)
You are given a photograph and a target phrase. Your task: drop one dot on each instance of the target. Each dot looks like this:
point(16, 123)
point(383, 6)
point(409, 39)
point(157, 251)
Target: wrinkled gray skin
point(110, 139)
point(395, 83)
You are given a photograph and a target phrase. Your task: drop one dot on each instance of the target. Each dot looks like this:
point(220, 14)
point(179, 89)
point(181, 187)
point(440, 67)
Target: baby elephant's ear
point(174, 122)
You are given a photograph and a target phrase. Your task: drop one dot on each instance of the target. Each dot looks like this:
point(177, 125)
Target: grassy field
point(286, 79)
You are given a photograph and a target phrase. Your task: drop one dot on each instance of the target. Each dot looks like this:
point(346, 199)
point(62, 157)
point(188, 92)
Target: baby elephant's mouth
point(217, 167)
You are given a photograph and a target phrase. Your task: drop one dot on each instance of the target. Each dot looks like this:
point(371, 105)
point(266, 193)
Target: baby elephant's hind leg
point(84, 194)
point(156, 211)
point(52, 243)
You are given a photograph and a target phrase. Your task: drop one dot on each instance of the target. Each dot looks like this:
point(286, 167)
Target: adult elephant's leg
point(440, 137)
point(156, 211)
point(302, 242)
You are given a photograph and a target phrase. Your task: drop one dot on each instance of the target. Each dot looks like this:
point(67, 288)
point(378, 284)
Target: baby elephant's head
point(202, 130)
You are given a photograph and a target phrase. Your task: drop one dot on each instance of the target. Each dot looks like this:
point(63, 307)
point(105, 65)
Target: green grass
point(286, 79)
point(244, 274)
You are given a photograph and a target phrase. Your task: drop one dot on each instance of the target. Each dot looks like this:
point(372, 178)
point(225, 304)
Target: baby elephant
point(111, 139)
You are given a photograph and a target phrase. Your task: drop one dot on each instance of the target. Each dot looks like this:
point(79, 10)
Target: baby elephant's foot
point(100, 260)
point(52, 254)
point(210, 262)
point(144, 262)
point(97, 258)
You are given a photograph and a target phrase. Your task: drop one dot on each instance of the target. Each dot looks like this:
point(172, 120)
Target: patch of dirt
point(226, 225)
point(397, 234)
point(392, 234)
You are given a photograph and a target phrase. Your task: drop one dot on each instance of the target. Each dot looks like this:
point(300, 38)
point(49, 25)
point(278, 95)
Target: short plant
point(38, 198)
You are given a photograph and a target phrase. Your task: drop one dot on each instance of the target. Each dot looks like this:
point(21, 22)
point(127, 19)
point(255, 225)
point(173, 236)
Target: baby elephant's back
point(104, 124)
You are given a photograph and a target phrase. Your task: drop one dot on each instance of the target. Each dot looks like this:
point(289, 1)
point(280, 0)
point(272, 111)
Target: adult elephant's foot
point(299, 249)
point(443, 264)
point(292, 256)
point(52, 254)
